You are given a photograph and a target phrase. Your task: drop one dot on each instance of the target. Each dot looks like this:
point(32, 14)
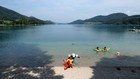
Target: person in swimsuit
point(97, 49)
point(104, 49)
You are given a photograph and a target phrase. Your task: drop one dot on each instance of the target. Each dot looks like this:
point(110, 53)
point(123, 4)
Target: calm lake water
point(50, 44)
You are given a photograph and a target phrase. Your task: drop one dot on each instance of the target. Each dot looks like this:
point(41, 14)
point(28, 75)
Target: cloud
point(127, 12)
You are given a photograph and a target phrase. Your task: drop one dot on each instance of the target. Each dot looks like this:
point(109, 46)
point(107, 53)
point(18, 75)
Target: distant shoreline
point(1, 25)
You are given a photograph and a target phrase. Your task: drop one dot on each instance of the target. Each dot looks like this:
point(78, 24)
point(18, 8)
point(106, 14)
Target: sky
point(65, 11)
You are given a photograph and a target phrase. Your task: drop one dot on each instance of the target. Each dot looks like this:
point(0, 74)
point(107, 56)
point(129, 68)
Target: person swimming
point(97, 49)
point(104, 49)
point(118, 54)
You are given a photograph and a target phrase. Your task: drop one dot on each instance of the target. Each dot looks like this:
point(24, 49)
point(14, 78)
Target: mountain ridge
point(11, 17)
point(114, 18)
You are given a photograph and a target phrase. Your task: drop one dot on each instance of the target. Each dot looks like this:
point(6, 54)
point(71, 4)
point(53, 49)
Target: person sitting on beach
point(104, 49)
point(69, 62)
point(73, 55)
point(97, 49)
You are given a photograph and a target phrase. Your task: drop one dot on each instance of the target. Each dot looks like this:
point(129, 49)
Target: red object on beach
point(66, 65)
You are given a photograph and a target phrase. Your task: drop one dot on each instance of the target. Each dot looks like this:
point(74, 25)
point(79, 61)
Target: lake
point(38, 45)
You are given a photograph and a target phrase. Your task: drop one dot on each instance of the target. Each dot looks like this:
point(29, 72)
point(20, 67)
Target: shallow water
point(33, 44)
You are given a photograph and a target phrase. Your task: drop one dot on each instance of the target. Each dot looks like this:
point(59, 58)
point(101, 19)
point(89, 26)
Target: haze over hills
point(11, 17)
point(114, 18)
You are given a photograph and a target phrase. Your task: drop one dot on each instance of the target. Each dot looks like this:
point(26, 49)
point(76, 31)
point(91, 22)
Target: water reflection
point(77, 32)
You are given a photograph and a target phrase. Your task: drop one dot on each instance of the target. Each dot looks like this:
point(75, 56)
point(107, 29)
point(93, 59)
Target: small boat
point(134, 30)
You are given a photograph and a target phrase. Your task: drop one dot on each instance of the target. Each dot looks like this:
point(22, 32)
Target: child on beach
point(73, 55)
point(68, 63)
point(70, 60)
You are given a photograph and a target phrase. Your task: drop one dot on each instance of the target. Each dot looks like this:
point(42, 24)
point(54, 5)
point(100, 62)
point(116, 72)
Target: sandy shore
point(98, 72)
point(58, 72)
point(74, 73)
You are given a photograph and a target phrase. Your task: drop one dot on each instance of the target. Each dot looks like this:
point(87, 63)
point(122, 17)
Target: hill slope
point(7, 14)
point(11, 17)
point(115, 18)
